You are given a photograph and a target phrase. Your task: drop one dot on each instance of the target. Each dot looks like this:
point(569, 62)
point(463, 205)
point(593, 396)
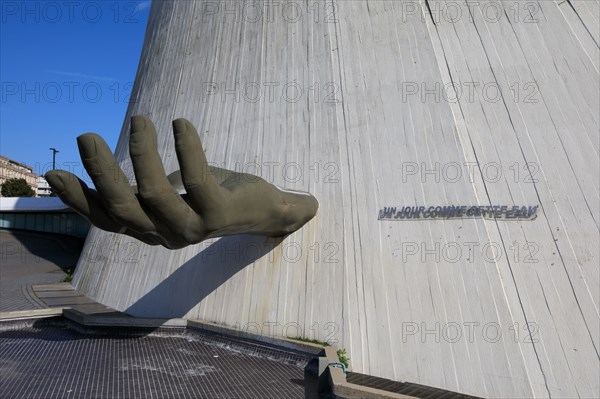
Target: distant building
point(43, 189)
point(10, 169)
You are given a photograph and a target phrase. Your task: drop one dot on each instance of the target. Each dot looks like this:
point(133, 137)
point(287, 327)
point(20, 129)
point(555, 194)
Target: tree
point(16, 188)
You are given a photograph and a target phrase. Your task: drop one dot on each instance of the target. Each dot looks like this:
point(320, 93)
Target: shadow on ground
point(27, 247)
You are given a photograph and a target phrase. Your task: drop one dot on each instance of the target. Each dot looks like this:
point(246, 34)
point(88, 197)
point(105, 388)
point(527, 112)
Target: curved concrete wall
point(347, 100)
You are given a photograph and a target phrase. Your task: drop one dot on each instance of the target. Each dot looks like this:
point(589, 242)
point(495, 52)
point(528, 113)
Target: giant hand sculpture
point(216, 202)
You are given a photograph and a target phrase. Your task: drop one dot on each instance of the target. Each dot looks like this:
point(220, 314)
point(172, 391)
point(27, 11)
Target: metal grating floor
point(53, 360)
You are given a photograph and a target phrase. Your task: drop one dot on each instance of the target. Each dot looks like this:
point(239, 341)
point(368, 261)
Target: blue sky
point(66, 68)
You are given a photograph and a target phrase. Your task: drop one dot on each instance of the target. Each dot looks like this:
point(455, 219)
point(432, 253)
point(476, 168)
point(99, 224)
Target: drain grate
point(404, 388)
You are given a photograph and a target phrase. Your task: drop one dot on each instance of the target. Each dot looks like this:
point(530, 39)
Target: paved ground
point(64, 295)
point(28, 258)
point(50, 359)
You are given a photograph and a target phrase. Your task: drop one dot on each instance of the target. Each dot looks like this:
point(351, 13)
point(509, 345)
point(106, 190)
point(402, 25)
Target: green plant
point(69, 277)
point(16, 188)
point(343, 357)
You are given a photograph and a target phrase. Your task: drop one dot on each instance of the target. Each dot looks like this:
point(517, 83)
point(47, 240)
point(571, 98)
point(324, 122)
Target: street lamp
point(54, 151)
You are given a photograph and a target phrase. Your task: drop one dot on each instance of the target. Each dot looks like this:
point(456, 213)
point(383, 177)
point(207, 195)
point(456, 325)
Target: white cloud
point(143, 5)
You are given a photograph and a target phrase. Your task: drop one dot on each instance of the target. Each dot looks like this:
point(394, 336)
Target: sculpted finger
point(111, 184)
point(205, 194)
point(75, 193)
point(154, 188)
point(85, 201)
